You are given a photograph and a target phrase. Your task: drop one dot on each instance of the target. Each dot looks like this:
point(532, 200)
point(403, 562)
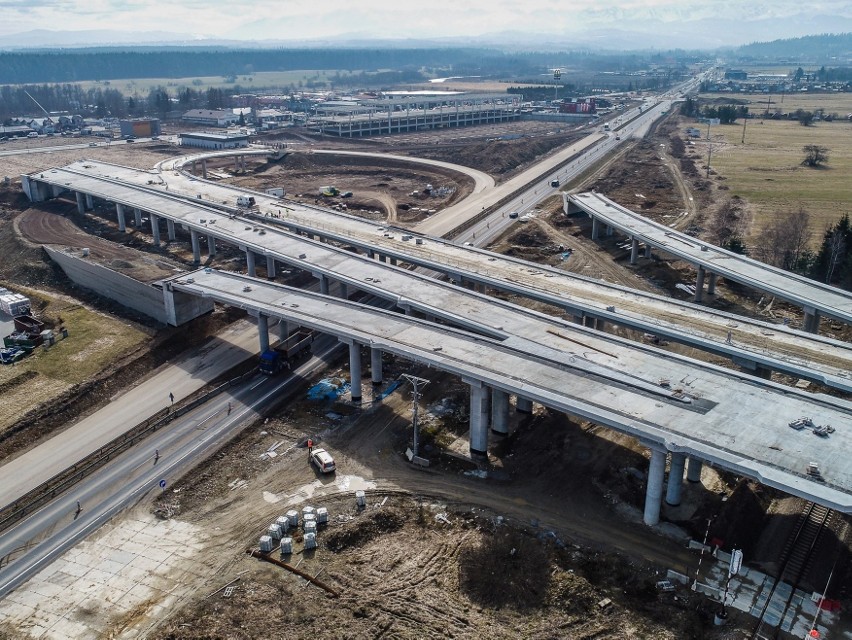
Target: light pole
point(416, 385)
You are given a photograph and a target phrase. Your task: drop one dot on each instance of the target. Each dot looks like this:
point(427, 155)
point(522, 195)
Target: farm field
point(839, 103)
point(767, 170)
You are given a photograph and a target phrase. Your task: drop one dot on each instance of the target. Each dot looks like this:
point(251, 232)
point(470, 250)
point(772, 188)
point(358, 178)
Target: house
point(211, 117)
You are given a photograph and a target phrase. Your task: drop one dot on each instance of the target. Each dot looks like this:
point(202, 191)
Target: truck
point(245, 201)
point(329, 191)
point(290, 351)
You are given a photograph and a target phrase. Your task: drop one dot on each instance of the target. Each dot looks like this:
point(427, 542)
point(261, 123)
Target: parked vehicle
point(322, 460)
point(293, 349)
point(245, 201)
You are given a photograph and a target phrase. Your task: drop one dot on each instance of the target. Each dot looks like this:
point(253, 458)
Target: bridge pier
point(752, 367)
point(323, 281)
point(693, 469)
point(90, 202)
point(523, 405)
point(376, 365)
point(634, 251)
point(711, 285)
point(263, 331)
point(610, 231)
point(344, 291)
point(478, 418)
point(211, 245)
point(654, 489)
point(203, 168)
point(81, 202)
point(647, 250)
point(270, 267)
point(155, 228)
point(196, 249)
point(595, 228)
point(119, 213)
point(354, 370)
point(170, 226)
point(250, 265)
point(283, 329)
point(137, 218)
point(499, 412)
point(675, 483)
point(699, 284)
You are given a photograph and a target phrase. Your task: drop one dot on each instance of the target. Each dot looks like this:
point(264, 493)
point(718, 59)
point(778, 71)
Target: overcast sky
point(290, 19)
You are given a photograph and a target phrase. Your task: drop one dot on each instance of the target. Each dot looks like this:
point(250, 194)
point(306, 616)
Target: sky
point(289, 19)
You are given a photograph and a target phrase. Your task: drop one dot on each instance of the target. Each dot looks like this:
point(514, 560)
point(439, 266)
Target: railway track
point(796, 556)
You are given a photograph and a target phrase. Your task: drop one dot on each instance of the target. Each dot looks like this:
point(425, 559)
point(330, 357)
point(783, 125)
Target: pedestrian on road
point(172, 397)
point(229, 408)
point(156, 455)
point(79, 508)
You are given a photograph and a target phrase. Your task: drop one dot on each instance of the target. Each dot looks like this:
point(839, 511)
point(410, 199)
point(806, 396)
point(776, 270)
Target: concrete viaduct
point(814, 297)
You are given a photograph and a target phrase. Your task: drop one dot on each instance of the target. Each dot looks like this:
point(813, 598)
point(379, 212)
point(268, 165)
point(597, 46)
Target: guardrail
point(66, 479)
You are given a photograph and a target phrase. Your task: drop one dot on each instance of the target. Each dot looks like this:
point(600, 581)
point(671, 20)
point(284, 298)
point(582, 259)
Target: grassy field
point(767, 169)
point(839, 103)
point(95, 341)
point(265, 79)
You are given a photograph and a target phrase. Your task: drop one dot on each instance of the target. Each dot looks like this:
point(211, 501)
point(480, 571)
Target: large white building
point(211, 118)
point(214, 140)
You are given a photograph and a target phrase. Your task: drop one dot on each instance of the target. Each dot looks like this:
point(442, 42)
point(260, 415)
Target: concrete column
point(595, 228)
point(523, 405)
point(283, 329)
point(811, 322)
point(355, 371)
point(634, 251)
point(196, 250)
point(647, 250)
point(193, 167)
point(344, 291)
point(699, 285)
point(211, 245)
point(371, 254)
point(90, 202)
point(81, 202)
point(250, 267)
point(270, 267)
point(323, 285)
point(263, 332)
point(654, 490)
point(499, 412)
point(204, 168)
point(711, 285)
point(693, 469)
point(609, 230)
point(243, 162)
point(376, 365)
point(675, 479)
point(137, 216)
point(236, 164)
point(119, 212)
point(478, 418)
point(155, 228)
point(170, 225)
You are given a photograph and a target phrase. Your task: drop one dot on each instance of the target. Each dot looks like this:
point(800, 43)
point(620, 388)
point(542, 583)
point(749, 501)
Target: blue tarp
point(328, 389)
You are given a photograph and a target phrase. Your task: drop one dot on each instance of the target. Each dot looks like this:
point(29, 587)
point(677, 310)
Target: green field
point(264, 79)
point(767, 169)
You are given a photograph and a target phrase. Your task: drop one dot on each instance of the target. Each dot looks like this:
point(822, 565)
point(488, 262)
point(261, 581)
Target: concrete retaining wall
point(139, 296)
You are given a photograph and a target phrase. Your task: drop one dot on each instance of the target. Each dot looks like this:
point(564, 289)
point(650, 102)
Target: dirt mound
point(365, 529)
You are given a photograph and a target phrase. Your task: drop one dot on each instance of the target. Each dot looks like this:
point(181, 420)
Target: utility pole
point(709, 150)
point(416, 385)
point(557, 75)
point(745, 119)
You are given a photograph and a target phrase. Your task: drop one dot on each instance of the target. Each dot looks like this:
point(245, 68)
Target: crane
point(49, 119)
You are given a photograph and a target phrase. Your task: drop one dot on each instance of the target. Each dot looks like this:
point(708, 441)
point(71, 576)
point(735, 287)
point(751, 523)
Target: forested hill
point(59, 66)
point(819, 48)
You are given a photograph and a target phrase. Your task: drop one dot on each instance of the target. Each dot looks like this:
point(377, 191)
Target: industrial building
point(211, 117)
point(398, 112)
point(206, 140)
point(140, 127)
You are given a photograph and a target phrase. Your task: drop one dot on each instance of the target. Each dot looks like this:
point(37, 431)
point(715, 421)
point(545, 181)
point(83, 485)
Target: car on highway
point(322, 460)
point(514, 214)
point(93, 144)
point(468, 244)
point(554, 182)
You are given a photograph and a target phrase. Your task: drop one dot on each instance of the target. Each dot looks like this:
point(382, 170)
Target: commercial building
point(211, 118)
point(206, 140)
point(140, 127)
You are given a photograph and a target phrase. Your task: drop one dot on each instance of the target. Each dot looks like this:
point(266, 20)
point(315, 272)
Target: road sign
point(162, 484)
point(736, 562)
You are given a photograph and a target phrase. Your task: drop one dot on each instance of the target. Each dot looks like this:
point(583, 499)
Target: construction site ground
point(558, 501)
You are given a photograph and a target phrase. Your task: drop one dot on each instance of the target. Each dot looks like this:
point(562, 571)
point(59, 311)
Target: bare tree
point(815, 155)
point(726, 223)
point(836, 252)
point(784, 241)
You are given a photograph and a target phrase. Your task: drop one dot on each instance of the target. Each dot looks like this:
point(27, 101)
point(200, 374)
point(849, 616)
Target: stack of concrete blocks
point(266, 544)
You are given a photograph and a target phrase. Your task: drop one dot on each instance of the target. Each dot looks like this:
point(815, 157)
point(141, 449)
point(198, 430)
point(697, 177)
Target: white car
point(322, 460)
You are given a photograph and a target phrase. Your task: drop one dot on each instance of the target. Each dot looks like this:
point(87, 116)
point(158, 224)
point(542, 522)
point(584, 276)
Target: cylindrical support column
point(610, 230)
point(647, 250)
point(323, 282)
point(90, 201)
point(711, 285)
point(250, 267)
point(170, 226)
point(523, 405)
point(204, 168)
point(699, 285)
point(263, 332)
point(693, 469)
point(283, 329)
point(155, 228)
point(376, 365)
point(355, 371)
point(595, 228)
point(478, 418)
point(194, 167)
point(196, 249)
point(137, 216)
point(236, 163)
point(811, 322)
point(81, 203)
point(675, 483)
point(499, 412)
point(634, 251)
point(654, 490)
point(211, 245)
point(270, 267)
point(119, 212)
point(344, 291)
